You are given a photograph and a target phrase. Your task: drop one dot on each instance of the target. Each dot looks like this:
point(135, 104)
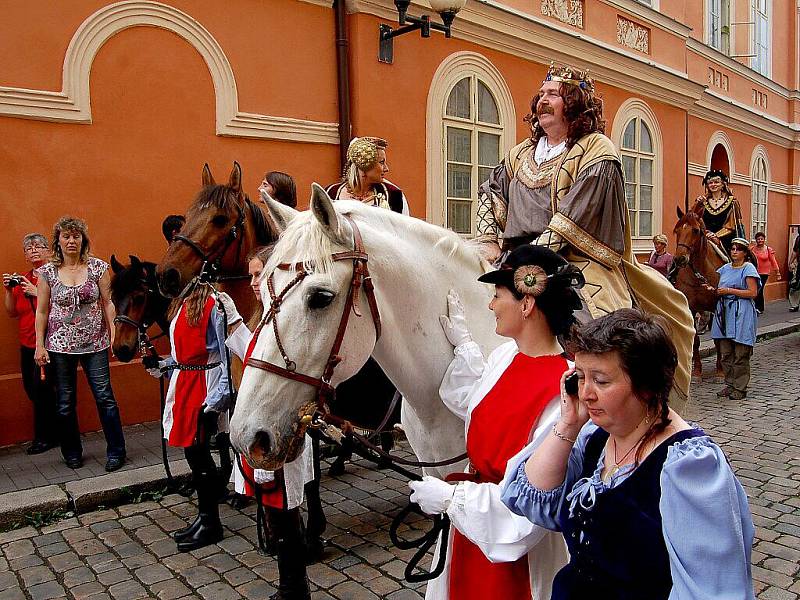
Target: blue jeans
point(95, 365)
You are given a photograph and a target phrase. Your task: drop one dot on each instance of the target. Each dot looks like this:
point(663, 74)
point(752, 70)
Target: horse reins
point(334, 427)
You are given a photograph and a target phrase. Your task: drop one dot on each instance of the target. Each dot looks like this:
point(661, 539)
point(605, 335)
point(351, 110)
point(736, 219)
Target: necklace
point(618, 462)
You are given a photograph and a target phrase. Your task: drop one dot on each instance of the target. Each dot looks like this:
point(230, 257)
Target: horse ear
point(323, 211)
point(235, 181)
point(281, 214)
point(135, 262)
point(115, 265)
point(208, 178)
point(680, 212)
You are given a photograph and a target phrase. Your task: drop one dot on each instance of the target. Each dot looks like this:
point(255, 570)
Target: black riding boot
point(180, 534)
point(209, 530)
point(292, 582)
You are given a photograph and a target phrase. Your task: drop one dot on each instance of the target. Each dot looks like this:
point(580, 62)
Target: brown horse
point(222, 226)
point(694, 266)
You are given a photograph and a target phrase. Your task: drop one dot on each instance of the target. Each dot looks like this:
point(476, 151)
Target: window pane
point(629, 168)
point(645, 143)
point(459, 145)
point(487, 107)
point(630, 195)
point(646, 197)
point(488, 149)
point(458, 102)
point(459, 181)
point(645, 171)
point(483, 174)
point(645, 224)
point(629, 137)
point(632, 217)
point(459, 216)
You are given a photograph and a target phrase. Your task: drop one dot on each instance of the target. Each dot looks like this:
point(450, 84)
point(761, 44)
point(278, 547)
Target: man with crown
point(563, 188)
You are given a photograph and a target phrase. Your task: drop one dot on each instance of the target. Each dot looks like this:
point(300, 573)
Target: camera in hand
point(14, 281)
point(571, 384)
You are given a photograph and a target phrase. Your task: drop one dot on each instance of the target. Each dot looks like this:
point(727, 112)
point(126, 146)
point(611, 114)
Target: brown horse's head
point(137, 302)
point(222, 225)
point(690, 234)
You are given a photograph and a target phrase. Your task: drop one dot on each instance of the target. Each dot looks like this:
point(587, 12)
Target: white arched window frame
point(636, 134)
point(464, 139)
point(759, 192)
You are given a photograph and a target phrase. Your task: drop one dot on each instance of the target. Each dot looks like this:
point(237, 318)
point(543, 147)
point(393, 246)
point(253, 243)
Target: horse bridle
point(698, 275)
point(212, 261)
point(360, 278)
point(144, 340)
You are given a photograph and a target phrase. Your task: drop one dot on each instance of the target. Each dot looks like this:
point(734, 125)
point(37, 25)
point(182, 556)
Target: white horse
point(413, 265)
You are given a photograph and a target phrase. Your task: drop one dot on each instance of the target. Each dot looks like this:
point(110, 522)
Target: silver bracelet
point(561, 436)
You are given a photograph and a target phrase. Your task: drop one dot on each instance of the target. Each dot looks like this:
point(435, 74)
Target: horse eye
point(219, 220)
point(320, 299)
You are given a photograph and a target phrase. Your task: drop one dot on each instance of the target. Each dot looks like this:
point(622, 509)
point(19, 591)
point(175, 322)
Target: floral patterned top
point(76, 324)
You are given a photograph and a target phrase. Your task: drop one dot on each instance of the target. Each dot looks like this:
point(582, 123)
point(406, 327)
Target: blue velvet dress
point(678, 527)
point(735, 318)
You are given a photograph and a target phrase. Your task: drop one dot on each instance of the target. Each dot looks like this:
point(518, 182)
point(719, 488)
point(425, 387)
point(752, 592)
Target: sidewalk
point(90, 486)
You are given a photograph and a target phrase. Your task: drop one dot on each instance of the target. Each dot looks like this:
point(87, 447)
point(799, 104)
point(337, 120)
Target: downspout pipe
point(342, 78)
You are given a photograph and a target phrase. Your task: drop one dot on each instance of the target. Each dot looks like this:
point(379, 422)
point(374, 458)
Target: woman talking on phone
point(647, 503)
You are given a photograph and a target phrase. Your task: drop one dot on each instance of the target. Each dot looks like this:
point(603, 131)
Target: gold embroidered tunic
point(575, 204)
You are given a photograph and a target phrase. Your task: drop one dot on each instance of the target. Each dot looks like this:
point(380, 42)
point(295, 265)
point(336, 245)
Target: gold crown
point(571, 76)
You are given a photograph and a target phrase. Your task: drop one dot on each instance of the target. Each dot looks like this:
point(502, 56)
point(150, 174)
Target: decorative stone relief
point(633, 35)
point(566, 11)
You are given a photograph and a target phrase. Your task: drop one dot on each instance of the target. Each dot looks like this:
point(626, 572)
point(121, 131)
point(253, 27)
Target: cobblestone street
point(126, 552)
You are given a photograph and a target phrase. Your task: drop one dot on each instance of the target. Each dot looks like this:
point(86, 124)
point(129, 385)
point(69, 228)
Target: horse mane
point(305, 234)
point(266, 232)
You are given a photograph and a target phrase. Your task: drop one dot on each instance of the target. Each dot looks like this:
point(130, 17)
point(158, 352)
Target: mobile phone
point(571, 384)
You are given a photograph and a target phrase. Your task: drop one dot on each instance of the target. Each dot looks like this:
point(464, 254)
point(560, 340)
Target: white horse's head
point(266, 426)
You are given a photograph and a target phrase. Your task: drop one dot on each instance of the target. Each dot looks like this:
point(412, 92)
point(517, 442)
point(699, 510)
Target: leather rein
point(359, 279)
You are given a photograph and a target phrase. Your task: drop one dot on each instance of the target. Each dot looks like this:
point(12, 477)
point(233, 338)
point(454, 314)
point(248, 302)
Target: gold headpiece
point(363, 151)
point(571, 76)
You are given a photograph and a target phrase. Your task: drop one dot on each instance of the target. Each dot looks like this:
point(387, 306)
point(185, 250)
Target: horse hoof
point(336, 469)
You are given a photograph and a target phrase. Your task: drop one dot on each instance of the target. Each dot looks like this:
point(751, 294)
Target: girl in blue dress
point(647, 504)
point(735, 318)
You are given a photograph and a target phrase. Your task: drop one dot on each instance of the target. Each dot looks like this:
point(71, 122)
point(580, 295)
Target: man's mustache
point(544, 110)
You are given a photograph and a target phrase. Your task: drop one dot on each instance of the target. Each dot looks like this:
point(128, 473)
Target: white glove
point(455, 325)
point(228, 306)
point(261, 476)
point(433, 495)
point(154, 372)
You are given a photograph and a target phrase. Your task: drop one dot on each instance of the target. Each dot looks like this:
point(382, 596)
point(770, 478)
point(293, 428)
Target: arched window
point(638, 166)
point(471, 134)
point(470, 126)
point(759, 195)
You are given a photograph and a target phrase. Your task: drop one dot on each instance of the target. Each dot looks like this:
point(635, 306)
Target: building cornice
point(651, 17)
point(325, 3)
point(727, 62)
point(491, 24)
point(699, 170)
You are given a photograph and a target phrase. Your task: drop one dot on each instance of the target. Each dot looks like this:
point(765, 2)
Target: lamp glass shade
point(447, 6)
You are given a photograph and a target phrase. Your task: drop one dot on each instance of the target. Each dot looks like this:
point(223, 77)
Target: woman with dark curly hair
point(647, 503)
point(564, 188)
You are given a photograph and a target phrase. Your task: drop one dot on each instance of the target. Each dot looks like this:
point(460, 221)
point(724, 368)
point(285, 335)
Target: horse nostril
point(124, 353)
point(261, 444)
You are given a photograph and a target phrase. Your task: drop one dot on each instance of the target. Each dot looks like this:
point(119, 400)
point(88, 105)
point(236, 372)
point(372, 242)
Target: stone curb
point(764, 333)
point(115, 488)
point(88, 494)
point(15, 505)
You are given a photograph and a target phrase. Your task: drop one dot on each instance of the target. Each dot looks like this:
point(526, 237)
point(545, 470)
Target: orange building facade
point(109, 110)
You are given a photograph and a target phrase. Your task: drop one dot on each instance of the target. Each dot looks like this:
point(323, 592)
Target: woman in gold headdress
point(364, 177)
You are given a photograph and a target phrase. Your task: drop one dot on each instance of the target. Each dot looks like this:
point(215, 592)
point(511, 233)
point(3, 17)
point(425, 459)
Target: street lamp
point(447, 10)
